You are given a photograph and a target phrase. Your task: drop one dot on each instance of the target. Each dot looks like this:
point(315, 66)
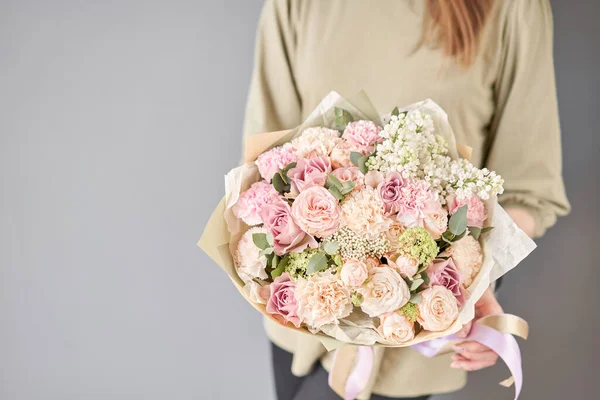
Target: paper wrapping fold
point(504, 247)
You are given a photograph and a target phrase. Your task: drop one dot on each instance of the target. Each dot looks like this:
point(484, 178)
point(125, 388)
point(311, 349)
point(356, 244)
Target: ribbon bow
point(493, 331)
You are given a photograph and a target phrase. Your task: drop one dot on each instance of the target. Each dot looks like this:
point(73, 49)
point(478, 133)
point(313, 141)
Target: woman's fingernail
point(458, 349)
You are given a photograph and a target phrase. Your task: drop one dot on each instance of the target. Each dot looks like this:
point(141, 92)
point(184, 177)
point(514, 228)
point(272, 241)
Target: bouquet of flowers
point(364, 229)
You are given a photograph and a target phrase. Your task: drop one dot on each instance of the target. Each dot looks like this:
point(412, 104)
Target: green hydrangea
point(410, 311)
point(417, 243)
point(296, 262)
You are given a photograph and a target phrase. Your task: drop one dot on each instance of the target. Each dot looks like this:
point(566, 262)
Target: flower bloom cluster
point(360, 219)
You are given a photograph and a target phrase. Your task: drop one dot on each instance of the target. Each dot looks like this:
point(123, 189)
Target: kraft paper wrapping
point(503, 247)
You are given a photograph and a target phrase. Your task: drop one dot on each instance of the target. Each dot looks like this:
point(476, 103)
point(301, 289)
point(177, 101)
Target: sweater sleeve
point(524, 145)
point(273, 100)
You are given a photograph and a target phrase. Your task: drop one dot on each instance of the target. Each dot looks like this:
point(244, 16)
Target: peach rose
point(340, 155)
point(436, 222)
point(317, 212)
point(384, 292)
point(322, 299)
point(354, 273)
point(372, 262)
point(346, 174)
point(438, 309)
point(392, 235)
point(396, 328)
point(407, 267)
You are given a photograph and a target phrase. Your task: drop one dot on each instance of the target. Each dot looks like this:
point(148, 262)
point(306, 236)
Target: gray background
point(118, 120)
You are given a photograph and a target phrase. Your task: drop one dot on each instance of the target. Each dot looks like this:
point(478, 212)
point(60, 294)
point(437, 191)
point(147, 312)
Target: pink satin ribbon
point(504, 344)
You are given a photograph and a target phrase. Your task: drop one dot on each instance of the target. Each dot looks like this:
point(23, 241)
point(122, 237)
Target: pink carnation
point(309, 173)
point(364, 134)
point(476, 214)
point(250, 202)
point(287, 235)
point(275, 159)
point(415, 203)
point(282, 302)
point(346, 174)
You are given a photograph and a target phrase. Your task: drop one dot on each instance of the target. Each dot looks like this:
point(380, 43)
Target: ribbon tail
point(506, 347)
point(359, 375)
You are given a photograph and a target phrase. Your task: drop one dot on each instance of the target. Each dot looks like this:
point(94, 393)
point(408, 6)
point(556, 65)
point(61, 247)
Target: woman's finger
point(480, 356)
point(471, 347)
point(472, 365)
point(464, 332)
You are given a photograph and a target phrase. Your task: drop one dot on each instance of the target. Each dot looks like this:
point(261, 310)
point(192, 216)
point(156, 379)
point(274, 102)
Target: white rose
point(438, 309)
point(354, 273)
point(384, 292)
point(256, 292)
point(396, 328)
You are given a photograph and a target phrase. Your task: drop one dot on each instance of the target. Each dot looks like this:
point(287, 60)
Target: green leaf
point(269, 239)
point(486, 229)
point(458, 221)
point(342, 118)
point(362, 164)
point(279, 184)
point(278, 271)
point(336, 193)
point(395, 111)
point(337, 259)
point(355, 156)
point(275, 261)
point(475, 232)
point(422, 268)
point(415, 298)
point(260, 240)
point(415, 284)
point(425, 278)
point(265, 252)
point(333, 181)
point(330, 247)
point(347, 187)
point(288, 167)
point(318, 262)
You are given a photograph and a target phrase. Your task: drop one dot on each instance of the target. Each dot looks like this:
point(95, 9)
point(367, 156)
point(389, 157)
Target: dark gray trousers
point(310, 387)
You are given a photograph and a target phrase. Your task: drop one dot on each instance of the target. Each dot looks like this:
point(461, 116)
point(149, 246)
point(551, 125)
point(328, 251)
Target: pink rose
point(282, 301)
point(476, 214)
point(364, 134)
point(438, 309)
point(436, 222)
point(396, 328)
point(346, 174)
point(273, 160)
point(415, 202)
point(287, 235)
point(250, 202)
point(308, 173)
point(444, 273)
point(317, 212)
point(390, 191)
point(340, 155)
point(354, 273)
point(407, 267)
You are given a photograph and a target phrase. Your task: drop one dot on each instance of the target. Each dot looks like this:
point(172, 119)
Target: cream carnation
point(384, 292)
point(468, 258)
point(316, 212)
point(249, 264)
point(315, 142)
point(396, 328)
point(438, 309)
point(363, 213)
point(322, 299)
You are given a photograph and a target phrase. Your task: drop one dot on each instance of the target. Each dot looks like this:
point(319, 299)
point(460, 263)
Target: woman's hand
point(472, 356)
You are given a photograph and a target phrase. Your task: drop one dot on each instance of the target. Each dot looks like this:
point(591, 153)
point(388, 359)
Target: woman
point(488, 63)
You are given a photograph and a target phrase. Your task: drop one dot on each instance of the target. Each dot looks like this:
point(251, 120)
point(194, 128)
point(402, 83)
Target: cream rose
point(372, 262)
point(354, 273)
point(438, 309)
point(384, 292)
point(407, 267)
point(322, 299)
point(396, 328)
point(436, 222)
point(392, 235)
point(317, 212)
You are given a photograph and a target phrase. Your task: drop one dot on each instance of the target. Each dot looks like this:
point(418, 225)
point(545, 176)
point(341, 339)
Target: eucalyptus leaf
point(347, 187)
point(486, 229)
point(318, 262)
point(415, 298)
point(265, 252)
point(279, 184)
point(275, 261)
point(425, 278)
point(415, 284)
point(362, 164)
point(342, 118)
point(278, 271)
point(336, 193)
point(269, 239)
point(458, 221)
point(260, 240)
point(332, 180)
point(331, 247)
point(475, 232)
point(395, 111)
point(288, 167)
point(337, 259)
point(355, 156)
